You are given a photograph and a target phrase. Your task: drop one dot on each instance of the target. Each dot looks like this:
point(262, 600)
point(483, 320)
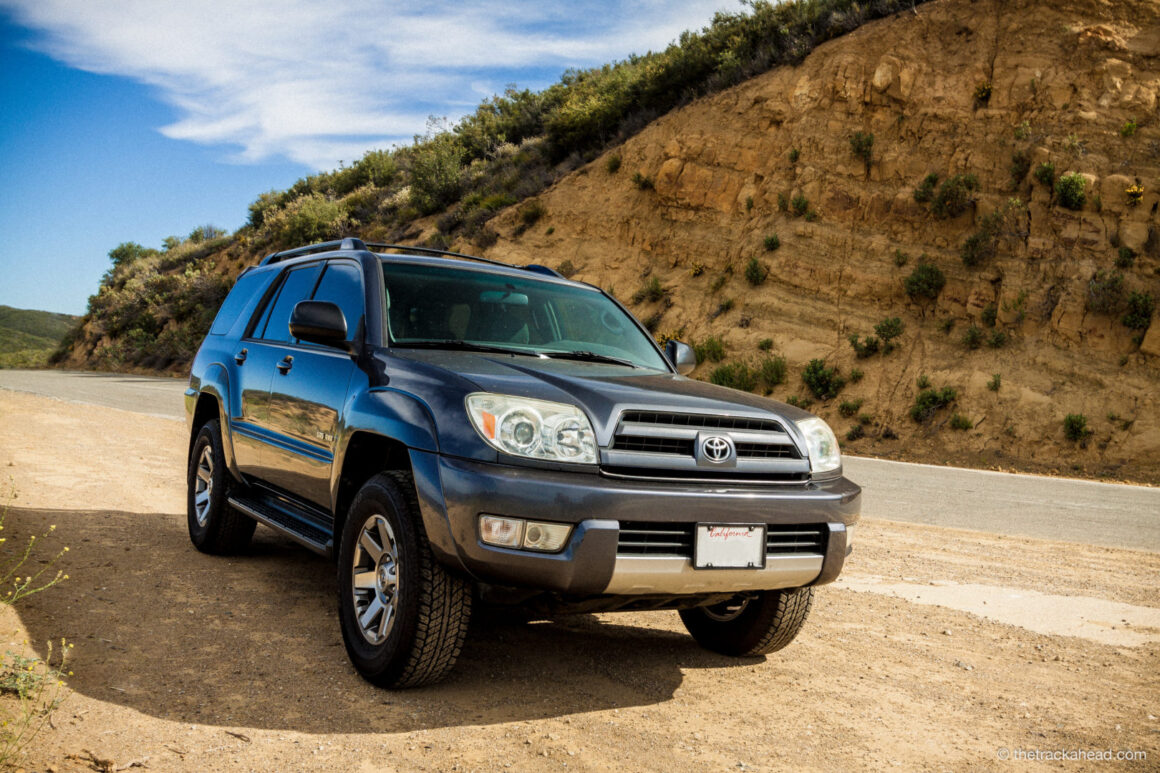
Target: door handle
point(240, 357)
point(285, 364)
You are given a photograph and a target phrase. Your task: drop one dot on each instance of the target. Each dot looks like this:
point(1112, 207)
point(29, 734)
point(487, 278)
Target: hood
point(601, 390)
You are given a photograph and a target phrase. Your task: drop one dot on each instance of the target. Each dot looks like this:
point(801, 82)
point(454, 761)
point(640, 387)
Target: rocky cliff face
point(960, 87)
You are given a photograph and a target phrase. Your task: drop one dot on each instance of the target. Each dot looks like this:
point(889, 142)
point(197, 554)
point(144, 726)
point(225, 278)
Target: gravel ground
point(186, 662)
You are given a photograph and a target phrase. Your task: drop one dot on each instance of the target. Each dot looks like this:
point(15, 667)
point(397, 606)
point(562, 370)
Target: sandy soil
point(185, 662)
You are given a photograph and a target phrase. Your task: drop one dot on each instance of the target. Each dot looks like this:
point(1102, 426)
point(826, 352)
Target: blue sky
point(133, 120)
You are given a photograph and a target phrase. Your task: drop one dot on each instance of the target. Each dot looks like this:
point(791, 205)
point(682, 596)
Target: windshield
point(463, 308)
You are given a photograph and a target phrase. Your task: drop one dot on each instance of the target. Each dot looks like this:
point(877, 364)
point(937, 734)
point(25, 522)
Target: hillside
point(985, 172)
point(28, 337)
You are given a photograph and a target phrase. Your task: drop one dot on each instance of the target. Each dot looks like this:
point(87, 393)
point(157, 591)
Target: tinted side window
point(297, 286)
point(342, 285)
point(244, 291)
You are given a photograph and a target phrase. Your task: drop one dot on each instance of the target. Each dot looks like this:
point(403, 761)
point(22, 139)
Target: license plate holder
point(729, 546)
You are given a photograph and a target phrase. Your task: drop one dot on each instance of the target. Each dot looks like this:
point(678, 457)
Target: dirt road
point(940, 649)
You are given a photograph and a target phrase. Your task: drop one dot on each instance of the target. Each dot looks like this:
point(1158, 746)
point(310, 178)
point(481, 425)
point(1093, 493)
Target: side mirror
point(320, 322)
point(682, 357)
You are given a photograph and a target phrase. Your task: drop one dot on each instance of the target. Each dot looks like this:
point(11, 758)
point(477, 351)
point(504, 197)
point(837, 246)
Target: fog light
point(546, 537)
point(504, 532)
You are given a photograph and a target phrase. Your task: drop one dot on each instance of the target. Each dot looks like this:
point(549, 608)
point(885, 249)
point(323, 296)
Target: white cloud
point(308, 80)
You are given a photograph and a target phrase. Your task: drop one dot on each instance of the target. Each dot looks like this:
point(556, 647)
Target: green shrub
point(765, 344)
point(642, 182)
point(531, 212)
point(735, 375)
point(900, 258)
point(1129, 128)
point(794, 155)
point(1023, 130)
point(955, 195)
point(1139, 314)
point(771, 242)
point(1069, 189)
point(811, 216)
point(723, 307)
point(862, 146)
point(1020, 166)
point(947, 325)
point(800, 204)
point(849, 407)
point(925, 190)
point(566, 269)
point(863, 348)
point(1075, 427)
point(772, 371)
point(922, 382)
point(857, 432)
point(929, 401)
point(961, 422)
point(887, 330)
point(990, 315)
point(653, 321)
point(926, 281)
point(717, 283)
point(612, 163)
point(312, 218)
point(982, 94)
point(799, 402)
point(651, 291)
point(995, 382)
point(436, 171)
point(856, 375)
point(782, 203)
point(712, 349)
point(973, 338)
point(755, 273)
point(1106, 292)
point(1045, 173)
point(1125, 257)
point(823, 382)
point(997, 340)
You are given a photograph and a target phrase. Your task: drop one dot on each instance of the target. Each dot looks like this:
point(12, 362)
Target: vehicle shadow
point(253, 640)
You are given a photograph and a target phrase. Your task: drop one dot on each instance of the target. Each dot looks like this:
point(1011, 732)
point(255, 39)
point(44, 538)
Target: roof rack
point(463, 256)
point(351, 243)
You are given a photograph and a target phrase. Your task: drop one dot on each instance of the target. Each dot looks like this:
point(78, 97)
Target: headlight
point(822, 445)
point(536, 429)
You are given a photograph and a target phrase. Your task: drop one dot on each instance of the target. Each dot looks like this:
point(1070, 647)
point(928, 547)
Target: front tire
point(750, 624)
point(214, 526)
point(403, 616)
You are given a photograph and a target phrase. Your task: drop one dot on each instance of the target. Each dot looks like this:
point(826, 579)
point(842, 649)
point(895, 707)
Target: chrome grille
point(664, 445)
point(641, 538)
point(701, 421)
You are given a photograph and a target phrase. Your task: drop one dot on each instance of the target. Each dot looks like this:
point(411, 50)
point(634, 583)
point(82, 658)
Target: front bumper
point(453, 493)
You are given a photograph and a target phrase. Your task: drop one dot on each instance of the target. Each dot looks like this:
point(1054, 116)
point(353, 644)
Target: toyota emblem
point(717, 449)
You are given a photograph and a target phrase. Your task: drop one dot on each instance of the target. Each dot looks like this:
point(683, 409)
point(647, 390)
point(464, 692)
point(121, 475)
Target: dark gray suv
point(455, 431)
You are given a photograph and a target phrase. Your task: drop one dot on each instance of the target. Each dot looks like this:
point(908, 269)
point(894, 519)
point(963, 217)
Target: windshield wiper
point(580, 354)
point(461, 345)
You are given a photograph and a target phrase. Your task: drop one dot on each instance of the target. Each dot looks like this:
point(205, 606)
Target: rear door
point(262, 349)
point(308, 392)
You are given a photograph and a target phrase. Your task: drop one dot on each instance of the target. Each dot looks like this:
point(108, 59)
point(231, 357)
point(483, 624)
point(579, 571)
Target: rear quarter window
point(244, 295)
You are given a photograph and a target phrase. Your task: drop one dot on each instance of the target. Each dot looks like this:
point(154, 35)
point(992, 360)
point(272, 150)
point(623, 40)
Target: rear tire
point(214, 526)
point(403, 616)
point(754, 624)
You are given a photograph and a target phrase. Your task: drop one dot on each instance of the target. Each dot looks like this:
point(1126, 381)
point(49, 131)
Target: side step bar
point(280, 518)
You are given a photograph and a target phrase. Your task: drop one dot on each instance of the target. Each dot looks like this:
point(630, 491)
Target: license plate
point(729, 546)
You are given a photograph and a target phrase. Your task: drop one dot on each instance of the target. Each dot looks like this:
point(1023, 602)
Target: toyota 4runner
point(456, 430)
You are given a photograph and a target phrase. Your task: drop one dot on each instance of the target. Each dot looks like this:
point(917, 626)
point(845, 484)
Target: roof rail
point(349, 243)
point(432, 251)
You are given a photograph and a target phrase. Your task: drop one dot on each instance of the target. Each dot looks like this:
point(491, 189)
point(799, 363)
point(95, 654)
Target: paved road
point(141, 394)
point(1030, 505)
